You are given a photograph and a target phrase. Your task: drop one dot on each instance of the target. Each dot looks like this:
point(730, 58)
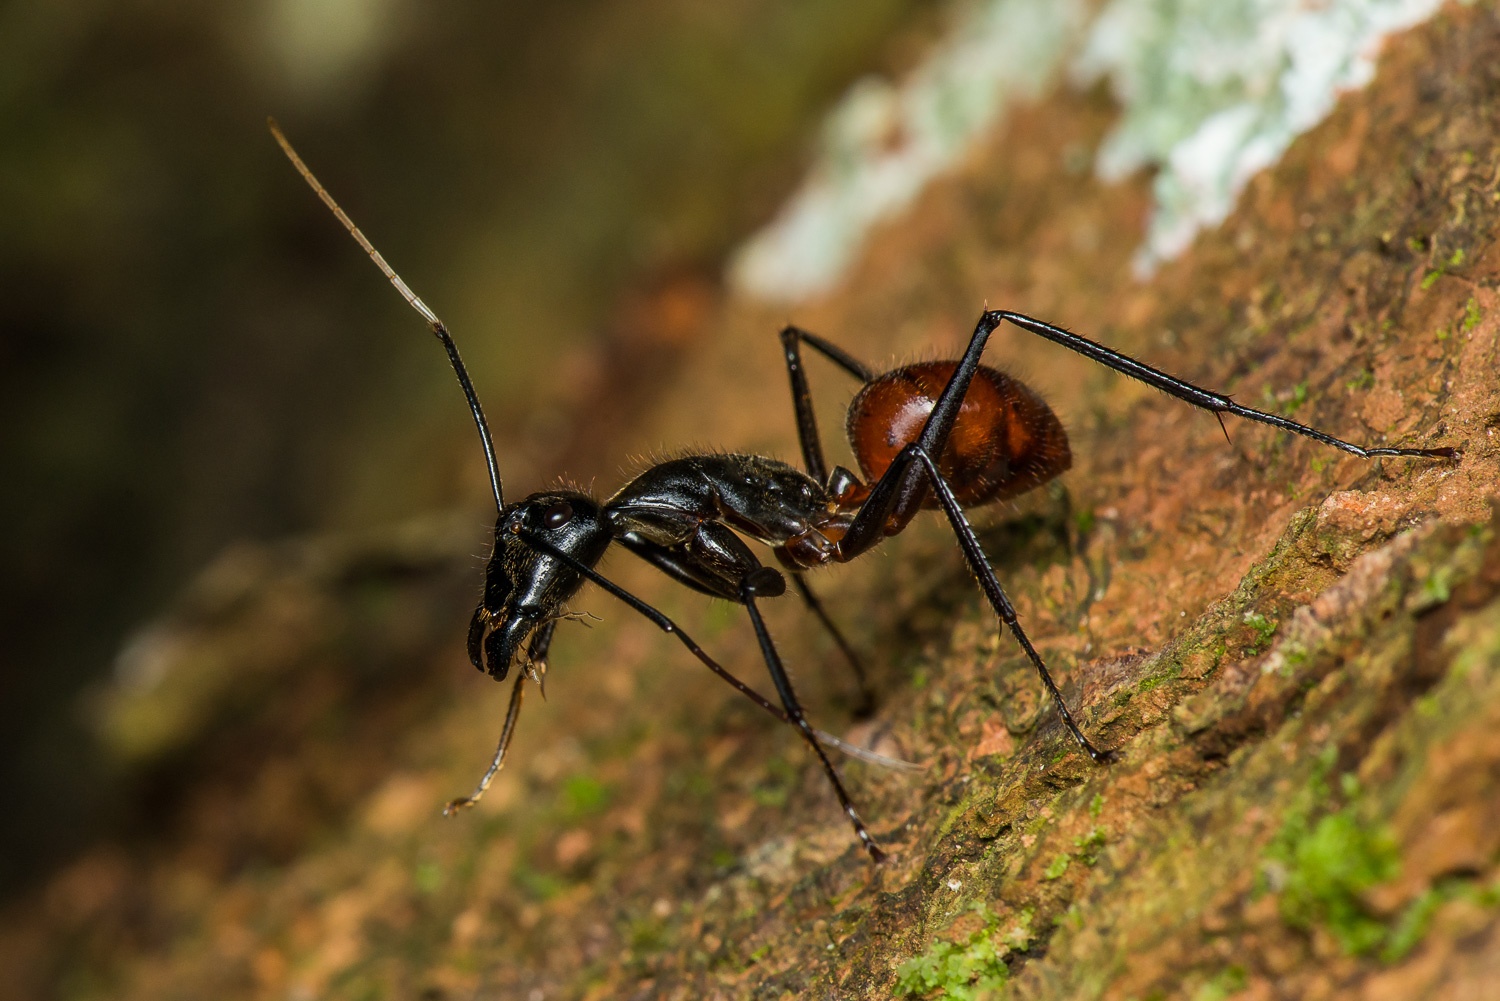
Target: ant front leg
point(688, 569)
point(718, 546)
point(717, 543)
point(715, 551)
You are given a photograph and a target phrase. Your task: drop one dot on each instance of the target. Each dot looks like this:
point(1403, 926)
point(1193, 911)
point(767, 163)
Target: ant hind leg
point(1217, 404)
point(914, 455)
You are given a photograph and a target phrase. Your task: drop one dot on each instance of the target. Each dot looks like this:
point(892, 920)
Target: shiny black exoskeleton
point(943, 435)
point(680, 515)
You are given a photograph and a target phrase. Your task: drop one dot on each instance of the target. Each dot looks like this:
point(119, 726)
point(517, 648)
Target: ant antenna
point(415, 302)
point(517, 690)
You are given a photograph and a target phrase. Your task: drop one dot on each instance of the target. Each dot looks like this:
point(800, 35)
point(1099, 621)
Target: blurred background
point(192, 352)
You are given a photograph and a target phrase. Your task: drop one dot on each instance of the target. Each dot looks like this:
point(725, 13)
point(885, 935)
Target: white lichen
point(1211, 92)
point(883, 143)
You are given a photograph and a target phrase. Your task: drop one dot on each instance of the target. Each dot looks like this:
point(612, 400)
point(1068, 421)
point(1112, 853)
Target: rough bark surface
point(1296, 652)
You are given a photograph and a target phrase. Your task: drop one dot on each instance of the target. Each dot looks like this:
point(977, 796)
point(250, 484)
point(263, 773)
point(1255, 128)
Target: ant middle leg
point(865, 707)
point(792, 339)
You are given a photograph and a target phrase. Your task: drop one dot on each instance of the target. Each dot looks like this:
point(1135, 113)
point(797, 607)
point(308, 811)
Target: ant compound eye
point(558, 515)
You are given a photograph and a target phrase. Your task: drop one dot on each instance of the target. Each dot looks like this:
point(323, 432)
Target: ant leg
point(896, 496)
point(807, 423)
point(536, 656)
point(659, 619)
point(517, 690)
point(689, 571)
point(799, 719)
point(1214, 403)
point(916, 456)
point(866, 704)
point(681, 566)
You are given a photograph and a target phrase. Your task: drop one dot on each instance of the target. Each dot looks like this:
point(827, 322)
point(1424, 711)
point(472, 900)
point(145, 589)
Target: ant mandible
point(934, 435)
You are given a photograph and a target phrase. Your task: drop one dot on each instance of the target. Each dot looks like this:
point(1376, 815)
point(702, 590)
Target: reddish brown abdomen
point(1005, 442)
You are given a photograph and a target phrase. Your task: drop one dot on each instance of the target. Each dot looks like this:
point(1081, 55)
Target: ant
point(942, 435)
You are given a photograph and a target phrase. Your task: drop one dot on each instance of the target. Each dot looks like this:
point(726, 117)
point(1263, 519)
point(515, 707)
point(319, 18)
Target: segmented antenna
point(416, 303)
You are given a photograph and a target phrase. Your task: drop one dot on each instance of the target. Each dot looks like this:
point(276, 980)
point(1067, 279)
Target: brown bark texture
point(1296, 652)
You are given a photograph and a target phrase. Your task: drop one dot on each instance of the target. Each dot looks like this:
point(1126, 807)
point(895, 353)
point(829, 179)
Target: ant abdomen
point(1005, 441)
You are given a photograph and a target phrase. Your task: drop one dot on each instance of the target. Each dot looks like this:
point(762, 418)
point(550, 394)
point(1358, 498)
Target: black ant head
point(523, 585)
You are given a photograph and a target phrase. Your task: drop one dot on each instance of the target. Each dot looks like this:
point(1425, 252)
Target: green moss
point(1437, 587)
point(1411, 927)
point(1150, 683)
point(957, 971)
point(1018, 937)
point(582, 796)
point(428, 877)
point(1416, 919)
point(1455, 259)
point(536, 884)
point(1224, 984)
point(1057, 867)
point(1263, 628)
point(1471, 315)
point(1089, 845)
point(1292, 658)
point(1296, 400)
point(1096, 805)
point(1363, 381)
point(969, 969)
point(1328, 867)
point(1321, 869)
